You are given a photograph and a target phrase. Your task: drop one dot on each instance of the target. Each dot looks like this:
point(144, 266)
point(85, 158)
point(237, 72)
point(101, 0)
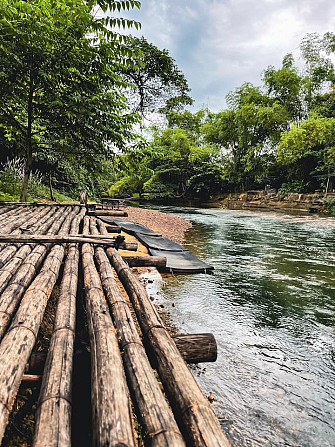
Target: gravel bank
point(168, 225)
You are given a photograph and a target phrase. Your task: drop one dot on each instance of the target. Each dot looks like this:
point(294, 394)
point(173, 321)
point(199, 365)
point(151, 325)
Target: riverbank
point(168, 225)
point(317, 202)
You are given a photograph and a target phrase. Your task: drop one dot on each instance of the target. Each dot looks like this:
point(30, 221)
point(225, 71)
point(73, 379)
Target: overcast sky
point(219, 44)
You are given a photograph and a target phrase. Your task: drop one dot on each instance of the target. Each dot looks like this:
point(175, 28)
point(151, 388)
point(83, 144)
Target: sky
point(220, 44)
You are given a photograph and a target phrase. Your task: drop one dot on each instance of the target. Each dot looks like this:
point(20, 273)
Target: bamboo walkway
point(138, 374)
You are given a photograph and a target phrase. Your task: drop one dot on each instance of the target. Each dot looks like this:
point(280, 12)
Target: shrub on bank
point(11, 176)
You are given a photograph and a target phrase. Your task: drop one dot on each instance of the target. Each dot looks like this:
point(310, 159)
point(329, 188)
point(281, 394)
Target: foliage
point(315, 136)
point(157, 83)
point(11, 175)
point(330, 205)
point(297, 186)
point(60, 89)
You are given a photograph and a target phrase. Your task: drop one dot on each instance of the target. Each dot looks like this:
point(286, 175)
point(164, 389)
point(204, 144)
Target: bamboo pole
point(112, 421)
point(9, 270)
point(18, 342)
point(10, 213)
point(5, 208)
point(53, 416)
point(35, 222)
point(41, 239)
point(145, 261)
point(188, 402)
point(55, 239)
point(11, 296)
point(14, 219)
point(113, 213)
point(160, 428)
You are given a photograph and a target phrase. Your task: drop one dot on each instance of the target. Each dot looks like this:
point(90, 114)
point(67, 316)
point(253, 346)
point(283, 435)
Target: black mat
point(178, 258)
point(182, 262)
point(159, 243)
point(134, 228)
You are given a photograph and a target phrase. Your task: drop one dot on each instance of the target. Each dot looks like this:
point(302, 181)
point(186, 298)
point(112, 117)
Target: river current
point(271, 307)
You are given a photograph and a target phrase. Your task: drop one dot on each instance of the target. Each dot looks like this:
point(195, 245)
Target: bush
point(11, 177)
point(330, 205)
point(298, 186)
point(158, 190)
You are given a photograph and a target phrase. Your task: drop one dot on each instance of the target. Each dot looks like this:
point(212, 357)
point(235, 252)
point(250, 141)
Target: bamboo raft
point(141, 390)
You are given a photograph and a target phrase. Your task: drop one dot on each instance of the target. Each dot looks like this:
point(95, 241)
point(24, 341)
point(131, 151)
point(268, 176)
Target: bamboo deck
point(141, 389)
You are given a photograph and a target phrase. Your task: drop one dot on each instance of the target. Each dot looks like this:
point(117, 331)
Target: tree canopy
point(157, 83)
point(60, 88)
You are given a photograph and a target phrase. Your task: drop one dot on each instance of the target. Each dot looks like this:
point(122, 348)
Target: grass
point(11, 177)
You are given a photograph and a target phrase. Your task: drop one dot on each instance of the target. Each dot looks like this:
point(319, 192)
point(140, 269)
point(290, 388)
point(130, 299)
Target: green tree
point(319, 69)
point(247, 135)
point(284, 87)
point(158, 84)
point(133, 171)
point(182, 166)
point(60, 91)
point(315, 138)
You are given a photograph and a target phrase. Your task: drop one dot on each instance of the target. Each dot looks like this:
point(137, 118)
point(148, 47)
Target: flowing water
point(271, 307)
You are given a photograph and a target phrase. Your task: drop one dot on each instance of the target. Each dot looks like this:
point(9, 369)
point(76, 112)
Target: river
point(271, 307)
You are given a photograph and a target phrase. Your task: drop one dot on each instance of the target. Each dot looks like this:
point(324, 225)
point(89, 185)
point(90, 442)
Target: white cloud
point(219, 44)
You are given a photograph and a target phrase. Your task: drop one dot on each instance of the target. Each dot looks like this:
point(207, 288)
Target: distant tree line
point(280, 134)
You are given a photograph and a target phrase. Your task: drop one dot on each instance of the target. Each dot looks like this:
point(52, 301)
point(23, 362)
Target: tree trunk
point(27, 172)
point(50, 188)
point(29, 146)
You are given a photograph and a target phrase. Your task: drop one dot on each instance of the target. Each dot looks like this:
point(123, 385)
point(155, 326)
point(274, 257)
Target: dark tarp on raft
point(182, 261)
point(134, 228)
point(178, 258)
point(159, 243)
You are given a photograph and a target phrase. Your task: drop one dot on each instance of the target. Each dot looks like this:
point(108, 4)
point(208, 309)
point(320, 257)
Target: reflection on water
point(270, 305)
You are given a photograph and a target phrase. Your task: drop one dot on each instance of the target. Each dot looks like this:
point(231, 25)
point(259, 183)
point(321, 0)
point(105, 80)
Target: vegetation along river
point(271, 307)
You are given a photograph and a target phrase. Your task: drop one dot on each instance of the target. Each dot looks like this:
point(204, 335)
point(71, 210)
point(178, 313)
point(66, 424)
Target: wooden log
point(53, 416)
point(112, 417)
point(113, 229)
point(55, 239)
point(160, 428)
point(38, 204)
point(187, 400)
point(12, 295)
point(114, 213)
point(145, 261)
point(37, 222)
point(130, 246)
point(31, 379)
point(197, 348)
